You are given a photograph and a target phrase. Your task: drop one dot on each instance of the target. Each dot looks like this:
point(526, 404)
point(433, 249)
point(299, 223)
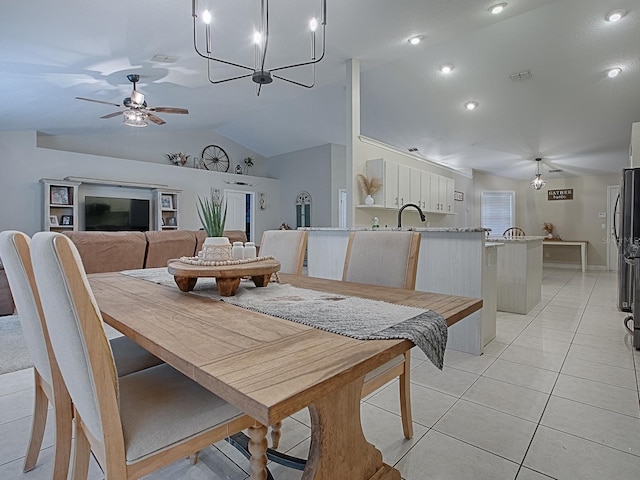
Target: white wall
point(576, 219)
point(316, 170)
point(23, 164)
point(151, 144)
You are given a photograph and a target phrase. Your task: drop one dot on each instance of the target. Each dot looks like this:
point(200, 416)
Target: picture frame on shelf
point(53, 220)
point(172, 221)
point(66, 220)
point(59, 196)
point(166, 202)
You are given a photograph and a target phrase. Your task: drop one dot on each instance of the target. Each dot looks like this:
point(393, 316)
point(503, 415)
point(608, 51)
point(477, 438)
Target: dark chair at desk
point(513, 232)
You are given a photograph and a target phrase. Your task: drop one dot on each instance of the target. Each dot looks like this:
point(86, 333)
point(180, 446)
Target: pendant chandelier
point(538, 182)
point(259, 73)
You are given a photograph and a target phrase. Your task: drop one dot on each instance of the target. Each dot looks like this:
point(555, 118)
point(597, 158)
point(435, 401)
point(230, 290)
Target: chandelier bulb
point(313, 24)
point(206, 17)
point(257, 38)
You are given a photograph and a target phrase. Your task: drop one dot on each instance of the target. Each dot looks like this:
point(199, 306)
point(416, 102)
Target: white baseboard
point(574, 266)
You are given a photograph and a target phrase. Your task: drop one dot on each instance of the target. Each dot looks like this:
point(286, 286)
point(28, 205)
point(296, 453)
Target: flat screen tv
point(114, 214)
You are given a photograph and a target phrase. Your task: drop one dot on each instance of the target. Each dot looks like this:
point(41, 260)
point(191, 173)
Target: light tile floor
point(555, 395)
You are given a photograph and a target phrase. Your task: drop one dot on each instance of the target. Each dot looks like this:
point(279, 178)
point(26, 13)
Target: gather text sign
point(560, 194)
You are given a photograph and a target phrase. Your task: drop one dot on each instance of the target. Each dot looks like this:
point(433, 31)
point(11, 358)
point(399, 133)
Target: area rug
point(13, 351)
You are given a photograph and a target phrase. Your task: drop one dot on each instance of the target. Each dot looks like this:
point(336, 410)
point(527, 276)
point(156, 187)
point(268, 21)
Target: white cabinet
point(437, 193)
point(446, 195)
point(414, 186)
point(165, 206)
point(402, 184)
point(60, 209)
point(387, 172)
point(425, 190)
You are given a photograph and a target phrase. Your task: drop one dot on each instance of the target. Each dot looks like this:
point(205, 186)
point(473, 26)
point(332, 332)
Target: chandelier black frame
point(259, 73)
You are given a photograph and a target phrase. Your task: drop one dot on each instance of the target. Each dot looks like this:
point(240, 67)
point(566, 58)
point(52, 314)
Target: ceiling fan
point(137, 111)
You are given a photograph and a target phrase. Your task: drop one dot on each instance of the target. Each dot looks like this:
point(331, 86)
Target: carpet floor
point(15, 355)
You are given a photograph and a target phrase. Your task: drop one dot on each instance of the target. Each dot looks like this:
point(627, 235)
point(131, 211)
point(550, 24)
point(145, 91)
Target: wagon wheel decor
point(215, 158)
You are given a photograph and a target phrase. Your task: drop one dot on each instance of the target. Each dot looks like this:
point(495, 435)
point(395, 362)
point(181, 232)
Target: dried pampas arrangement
point(368, 186)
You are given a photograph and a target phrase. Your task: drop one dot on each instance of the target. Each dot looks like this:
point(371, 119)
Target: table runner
point(355, 317)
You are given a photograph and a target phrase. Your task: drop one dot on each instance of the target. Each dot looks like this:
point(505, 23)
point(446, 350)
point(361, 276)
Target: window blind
point(497, 211)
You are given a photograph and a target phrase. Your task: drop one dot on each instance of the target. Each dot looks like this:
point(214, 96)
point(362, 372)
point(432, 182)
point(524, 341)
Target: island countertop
point(394, 229)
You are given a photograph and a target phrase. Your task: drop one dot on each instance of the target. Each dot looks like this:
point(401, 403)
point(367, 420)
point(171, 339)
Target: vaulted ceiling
point(569, 112)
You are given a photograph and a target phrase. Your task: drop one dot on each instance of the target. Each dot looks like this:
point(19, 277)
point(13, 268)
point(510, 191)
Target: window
point(497, 211)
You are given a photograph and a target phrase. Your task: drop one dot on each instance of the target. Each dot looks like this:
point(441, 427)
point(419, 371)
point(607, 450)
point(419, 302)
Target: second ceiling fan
point(137, 112)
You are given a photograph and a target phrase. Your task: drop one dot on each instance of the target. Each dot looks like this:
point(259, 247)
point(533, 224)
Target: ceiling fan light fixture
point(615, 16)
point(537, 183)
point(497, 8)
point(134, 118)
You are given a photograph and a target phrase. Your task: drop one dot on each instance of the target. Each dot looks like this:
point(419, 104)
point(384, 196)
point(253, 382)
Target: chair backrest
point(15, 254)
point(513, 232)
point(288, 246)
point(78, 339)
point(389, 259)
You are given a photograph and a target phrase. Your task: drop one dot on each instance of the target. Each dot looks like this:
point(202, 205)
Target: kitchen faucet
point(422, 217)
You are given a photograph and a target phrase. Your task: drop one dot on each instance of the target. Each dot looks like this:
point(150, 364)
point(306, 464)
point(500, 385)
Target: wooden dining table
point(270, 367)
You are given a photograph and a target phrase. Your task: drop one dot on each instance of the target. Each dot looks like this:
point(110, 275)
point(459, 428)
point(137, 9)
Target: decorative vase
point(369, 200)
point(215, 249)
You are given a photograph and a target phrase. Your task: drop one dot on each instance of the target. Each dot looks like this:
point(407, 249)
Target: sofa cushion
point(168, 244)
point(110, 251)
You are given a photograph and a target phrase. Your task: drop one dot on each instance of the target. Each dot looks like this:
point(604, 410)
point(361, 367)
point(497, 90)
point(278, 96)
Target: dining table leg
point(339, 450)
point(258, 449)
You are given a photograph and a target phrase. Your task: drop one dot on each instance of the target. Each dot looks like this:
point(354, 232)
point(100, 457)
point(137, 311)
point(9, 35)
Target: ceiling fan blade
point(111, 115)
point(98, 101)
point(168, 110)
point(156, 120)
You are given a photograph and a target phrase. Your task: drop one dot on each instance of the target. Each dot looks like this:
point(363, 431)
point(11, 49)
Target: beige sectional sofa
point(115, 251)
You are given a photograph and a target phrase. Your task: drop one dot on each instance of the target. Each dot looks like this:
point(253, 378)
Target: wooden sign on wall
point(560, 194)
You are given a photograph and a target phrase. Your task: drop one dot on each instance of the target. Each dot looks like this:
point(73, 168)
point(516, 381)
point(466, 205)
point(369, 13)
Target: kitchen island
point(451, 261)
point(519, 274)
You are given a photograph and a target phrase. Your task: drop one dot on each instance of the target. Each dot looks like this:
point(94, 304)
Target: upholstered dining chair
point(49, 387)
point(513, 232)
point(134, 424)
point(288, 246)
point(389, 259)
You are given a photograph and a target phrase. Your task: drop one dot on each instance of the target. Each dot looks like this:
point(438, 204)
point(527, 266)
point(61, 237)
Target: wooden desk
point(269, 367)
point(572, 243)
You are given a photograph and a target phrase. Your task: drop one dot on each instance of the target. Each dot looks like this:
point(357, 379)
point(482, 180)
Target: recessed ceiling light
point(471, 105)
point(614, 72)
point(614, 15)
point(415, 40)
point(497, 8)
point(447, 68)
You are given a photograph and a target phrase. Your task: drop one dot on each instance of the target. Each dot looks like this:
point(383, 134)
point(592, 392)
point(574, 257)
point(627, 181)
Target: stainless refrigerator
point(628, 238)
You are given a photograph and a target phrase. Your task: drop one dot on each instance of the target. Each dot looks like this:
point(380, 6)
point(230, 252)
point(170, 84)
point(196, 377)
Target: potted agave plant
point(213, 217)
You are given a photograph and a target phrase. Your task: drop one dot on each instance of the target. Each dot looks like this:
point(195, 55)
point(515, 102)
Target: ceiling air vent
point(413, 149)
point(517, 77)
point(556, 170)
